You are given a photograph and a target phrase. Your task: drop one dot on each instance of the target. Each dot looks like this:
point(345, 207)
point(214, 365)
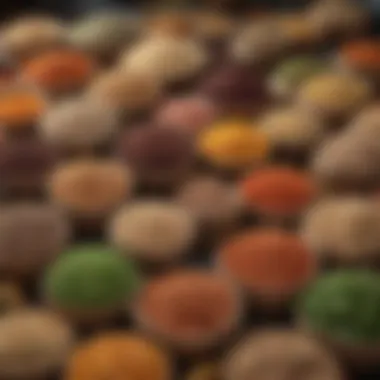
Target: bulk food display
point(191, 194)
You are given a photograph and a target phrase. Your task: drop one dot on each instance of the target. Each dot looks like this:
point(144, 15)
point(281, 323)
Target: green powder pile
point(296, 70)
point(91, 277)
point(344, 305)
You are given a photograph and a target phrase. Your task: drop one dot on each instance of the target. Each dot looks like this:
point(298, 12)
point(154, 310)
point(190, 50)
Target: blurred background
point(70, 8)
